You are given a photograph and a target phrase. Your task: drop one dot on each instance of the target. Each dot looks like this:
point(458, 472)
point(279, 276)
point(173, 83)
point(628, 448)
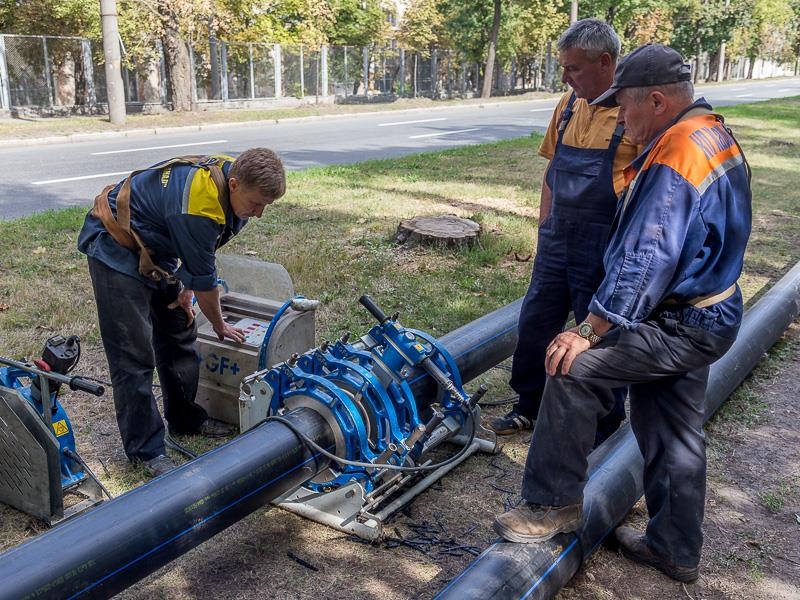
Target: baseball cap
point(651, 64)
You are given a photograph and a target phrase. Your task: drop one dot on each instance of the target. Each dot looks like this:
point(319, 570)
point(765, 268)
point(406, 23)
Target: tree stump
point(444, 231)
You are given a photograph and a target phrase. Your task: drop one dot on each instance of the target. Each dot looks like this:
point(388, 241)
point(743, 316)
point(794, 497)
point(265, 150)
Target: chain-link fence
point(67, 73)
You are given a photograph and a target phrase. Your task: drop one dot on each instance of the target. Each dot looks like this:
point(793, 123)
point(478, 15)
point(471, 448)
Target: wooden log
point(444, 231)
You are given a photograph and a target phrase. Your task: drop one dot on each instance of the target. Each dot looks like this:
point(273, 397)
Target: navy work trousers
point(665, 364)
point(567, 271)
point(141, 333)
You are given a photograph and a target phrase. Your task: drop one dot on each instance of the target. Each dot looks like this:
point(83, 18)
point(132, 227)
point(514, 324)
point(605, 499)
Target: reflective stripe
point(706, 301)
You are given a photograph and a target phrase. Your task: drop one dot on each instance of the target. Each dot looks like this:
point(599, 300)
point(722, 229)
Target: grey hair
point(593, 36)
point(682, 90)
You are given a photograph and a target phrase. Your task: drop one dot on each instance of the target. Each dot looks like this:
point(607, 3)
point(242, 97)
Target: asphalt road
point(41, 176)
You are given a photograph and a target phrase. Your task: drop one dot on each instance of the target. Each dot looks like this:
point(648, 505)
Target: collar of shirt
point(633, 169)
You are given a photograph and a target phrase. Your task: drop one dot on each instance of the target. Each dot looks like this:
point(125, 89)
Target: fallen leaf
point(40, 250)
point(4, 306)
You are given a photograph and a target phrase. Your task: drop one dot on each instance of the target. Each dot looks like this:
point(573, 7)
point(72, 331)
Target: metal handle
point(373, 308)
point(79, 383)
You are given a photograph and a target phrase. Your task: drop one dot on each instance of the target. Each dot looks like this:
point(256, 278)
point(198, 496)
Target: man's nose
point(258, 211)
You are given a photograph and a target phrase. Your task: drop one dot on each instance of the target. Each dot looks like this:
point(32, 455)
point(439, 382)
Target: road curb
point(155, 131)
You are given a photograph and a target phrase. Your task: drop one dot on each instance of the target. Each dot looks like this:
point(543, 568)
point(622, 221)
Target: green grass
point(334, 232)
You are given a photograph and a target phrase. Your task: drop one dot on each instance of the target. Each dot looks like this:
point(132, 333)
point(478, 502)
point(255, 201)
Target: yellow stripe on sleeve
point(204, 198)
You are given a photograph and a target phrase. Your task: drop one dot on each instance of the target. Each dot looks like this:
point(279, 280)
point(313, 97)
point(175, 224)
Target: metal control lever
point(373, 309)
point(443, 380)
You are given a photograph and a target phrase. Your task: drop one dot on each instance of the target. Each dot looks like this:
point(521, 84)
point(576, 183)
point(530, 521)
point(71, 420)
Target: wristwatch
point(586, 331)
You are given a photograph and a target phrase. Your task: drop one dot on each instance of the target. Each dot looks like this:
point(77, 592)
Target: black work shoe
point(530, 523)
point(159, 465)
point(511, 423)
point(633, 545)
point(211, 428)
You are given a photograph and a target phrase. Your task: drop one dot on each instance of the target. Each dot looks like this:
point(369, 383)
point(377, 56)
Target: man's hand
point(227, 331)
point(563, 350)
point(184, 301)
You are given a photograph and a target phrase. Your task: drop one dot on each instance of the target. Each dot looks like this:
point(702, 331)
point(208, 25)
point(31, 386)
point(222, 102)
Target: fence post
point(5, 90)
point(224, 68)
point(88, 71)
point(402, 87)
point(302, 75)
point(323, 67)
point(276, 51)
point(346, 85)
point(434, 72)
point(162, 72)
point(47, 70)
point(252, 72)
point(193, 83)
point(365, 52)
point(213, 52)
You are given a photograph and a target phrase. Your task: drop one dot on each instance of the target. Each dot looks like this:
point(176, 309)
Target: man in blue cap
point(668, 307)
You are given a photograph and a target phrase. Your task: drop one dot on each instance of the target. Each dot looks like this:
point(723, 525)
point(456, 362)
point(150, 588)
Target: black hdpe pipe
point(109, 548)
point(537, 571)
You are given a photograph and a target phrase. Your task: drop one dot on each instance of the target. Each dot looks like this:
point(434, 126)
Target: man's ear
point(233, 183)
point(606, 61)
point(659, 102)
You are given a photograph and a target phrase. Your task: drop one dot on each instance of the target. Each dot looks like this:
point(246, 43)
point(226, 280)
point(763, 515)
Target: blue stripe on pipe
point(195, 526)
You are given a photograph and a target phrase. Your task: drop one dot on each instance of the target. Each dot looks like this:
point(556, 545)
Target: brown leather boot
point(633, 545)
point(530, 523)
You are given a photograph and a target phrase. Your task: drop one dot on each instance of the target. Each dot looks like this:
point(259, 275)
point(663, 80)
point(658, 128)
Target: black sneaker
point(511, 423)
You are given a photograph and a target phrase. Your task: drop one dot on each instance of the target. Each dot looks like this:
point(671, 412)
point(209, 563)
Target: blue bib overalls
point(569, 263)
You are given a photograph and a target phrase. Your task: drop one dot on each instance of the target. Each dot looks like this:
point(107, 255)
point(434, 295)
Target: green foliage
point(422, 27)
point(357, 23)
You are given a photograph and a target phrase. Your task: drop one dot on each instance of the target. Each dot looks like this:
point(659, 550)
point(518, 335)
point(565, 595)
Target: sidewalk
point(73, 129)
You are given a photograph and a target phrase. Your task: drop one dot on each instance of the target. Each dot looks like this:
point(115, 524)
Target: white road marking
point(743, 95)
point(98, 176)
point(427, 135)
point(541, 109)
point(410, 122)
point(160, 147)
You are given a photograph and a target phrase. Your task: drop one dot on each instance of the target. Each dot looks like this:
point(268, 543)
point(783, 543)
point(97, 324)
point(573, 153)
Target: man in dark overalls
point(587, 152)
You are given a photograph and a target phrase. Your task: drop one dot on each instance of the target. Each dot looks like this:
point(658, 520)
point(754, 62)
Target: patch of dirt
point(752, 527)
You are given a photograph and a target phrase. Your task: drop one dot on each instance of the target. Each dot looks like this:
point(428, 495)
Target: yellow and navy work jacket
point(681, 229)
point(177, 212)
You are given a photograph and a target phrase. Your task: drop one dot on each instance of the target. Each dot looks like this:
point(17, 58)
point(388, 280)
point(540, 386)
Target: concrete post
point(5, 89)
point(365, 52)
point(252, 72)
point(323, 67)
point(116, 93)
point(276, 51)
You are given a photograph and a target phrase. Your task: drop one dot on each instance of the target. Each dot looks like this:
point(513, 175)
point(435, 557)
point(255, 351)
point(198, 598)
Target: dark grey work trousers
point(665, 364)
point(140, 333)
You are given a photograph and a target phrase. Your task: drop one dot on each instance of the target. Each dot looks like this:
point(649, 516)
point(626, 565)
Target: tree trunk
point(444, 231)
point(176, 63)
point(488, 72)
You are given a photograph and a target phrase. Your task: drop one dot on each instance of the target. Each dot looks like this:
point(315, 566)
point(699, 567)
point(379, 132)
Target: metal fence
point(67, 74)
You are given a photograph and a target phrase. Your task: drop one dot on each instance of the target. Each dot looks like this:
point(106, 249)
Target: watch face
point(585, 330)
